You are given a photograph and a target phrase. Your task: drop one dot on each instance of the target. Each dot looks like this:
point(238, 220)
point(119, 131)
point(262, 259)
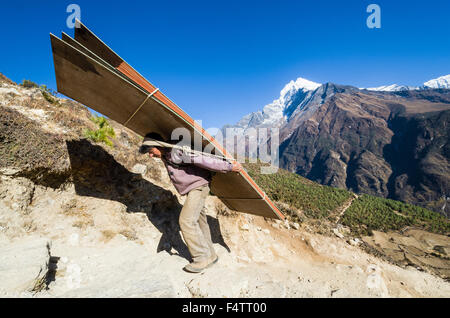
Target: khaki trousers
point(194, 225)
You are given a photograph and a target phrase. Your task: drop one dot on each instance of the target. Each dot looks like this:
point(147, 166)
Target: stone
point(73, 276)
point(286, 224)
point(9, 171)
point(337, 233)
point(139, 168)
point(24, 265)
point(245, 227)
point(74, 239)
point(231, 284)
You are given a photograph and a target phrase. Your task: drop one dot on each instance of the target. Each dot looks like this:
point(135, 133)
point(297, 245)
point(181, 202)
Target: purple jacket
point(188, 172)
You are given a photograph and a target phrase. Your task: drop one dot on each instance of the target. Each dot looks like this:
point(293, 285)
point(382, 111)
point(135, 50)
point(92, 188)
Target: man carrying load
point(190, 173)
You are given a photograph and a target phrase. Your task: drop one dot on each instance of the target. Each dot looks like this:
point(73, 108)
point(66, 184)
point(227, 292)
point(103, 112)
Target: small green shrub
point(49, 94)
point(29, 84)
point(103, 132)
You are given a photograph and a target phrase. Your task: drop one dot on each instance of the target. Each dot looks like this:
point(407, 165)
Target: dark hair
point(156, 136)
point(145, 149)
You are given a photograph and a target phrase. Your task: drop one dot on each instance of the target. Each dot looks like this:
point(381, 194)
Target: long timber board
point(88, 71)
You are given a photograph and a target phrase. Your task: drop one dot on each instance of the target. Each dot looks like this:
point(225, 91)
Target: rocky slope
point(391, 143)
point(101, 221)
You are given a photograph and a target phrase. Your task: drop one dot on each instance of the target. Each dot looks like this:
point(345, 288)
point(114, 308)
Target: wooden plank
point(252, 206)
point(91, 83)
point(69, 40)
point(88, 39)
point(85, 74)
point(78, 84)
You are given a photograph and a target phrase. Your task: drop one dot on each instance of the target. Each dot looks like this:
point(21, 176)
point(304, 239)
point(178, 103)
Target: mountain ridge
point(303, 84)
point(376, 116)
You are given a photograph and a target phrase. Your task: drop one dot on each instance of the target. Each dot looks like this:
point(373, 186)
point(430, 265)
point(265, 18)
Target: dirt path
point(341, 210)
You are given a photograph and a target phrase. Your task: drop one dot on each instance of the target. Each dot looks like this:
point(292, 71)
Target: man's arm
point(206, 162)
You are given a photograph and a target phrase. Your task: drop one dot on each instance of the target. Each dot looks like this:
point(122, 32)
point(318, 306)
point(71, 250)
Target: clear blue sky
point(220, 60)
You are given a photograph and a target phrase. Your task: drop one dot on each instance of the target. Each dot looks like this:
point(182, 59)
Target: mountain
point(392, 88)
point(83, 217)
point(441, 82)
point(292, 97)
point(295, 93)
point(392, 144)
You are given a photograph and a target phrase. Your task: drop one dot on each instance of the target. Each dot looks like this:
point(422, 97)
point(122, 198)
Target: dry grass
point(223, 210)
point(83, 223)
point(108, 235)
point(23, 144)
point(129, 234)
point(83, 218)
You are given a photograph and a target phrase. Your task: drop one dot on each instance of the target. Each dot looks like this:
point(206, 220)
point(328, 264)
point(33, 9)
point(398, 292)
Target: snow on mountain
point(440, 82)
point(296, 94)
point(276, 112)
point(292, 96)
point(392, 88)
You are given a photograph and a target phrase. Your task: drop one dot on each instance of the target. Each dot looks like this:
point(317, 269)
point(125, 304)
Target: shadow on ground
point(95, 173)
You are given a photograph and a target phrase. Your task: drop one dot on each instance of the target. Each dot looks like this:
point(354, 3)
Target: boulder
point(24, 265)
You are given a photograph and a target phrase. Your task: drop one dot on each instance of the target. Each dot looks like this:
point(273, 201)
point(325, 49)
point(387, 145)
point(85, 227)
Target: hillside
point(82, 214)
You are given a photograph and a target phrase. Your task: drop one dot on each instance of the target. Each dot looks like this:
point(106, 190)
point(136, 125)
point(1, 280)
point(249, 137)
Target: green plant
point(103, 132)
point(49, 94)
point(29, 84)
point(315, 200)
point(368, 213)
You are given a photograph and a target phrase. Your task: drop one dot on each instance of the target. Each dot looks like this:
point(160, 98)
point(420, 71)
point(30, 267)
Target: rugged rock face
point(394, 145)
point(390, 141)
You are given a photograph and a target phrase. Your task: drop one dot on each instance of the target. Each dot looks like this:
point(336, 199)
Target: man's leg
point(189, 223)
point(204, 226)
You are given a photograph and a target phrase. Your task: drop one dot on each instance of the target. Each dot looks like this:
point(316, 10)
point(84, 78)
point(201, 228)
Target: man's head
point(151, 146)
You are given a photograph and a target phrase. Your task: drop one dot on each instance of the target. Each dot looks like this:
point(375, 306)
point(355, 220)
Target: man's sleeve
point(213, 164)
point(205, 162)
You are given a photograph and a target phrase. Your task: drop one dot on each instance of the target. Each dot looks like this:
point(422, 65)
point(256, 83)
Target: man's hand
point(237, 167)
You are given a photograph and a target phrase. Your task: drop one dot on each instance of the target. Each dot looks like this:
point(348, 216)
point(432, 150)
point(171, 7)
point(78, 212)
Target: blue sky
point(220, 60)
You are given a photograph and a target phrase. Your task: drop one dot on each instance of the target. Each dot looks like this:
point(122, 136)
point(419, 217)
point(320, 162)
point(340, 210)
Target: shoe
point(200, 266)
point(196, 267)
point(213, 262)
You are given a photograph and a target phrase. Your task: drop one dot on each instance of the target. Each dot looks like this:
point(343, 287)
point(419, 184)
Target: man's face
point(155, 152)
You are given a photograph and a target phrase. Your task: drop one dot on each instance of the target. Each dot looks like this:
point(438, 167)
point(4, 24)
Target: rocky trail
point(117, 256)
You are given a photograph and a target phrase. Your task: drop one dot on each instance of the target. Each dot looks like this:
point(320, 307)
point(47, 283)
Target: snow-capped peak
point(291, 88)
point(440, 82)
point(300, 83)
point(274, 112)
point(391, 88)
